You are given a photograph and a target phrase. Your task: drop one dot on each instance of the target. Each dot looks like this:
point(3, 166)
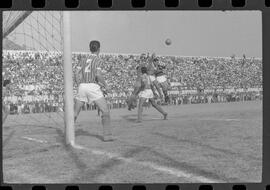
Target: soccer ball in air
point(168, 42)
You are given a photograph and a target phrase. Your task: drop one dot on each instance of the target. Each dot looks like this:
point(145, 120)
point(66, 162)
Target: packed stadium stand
point(37, 79)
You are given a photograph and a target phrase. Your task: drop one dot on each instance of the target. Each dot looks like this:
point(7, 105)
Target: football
point(168, 42)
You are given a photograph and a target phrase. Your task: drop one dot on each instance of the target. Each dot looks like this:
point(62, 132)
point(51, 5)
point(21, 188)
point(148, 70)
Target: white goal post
point(68, 80)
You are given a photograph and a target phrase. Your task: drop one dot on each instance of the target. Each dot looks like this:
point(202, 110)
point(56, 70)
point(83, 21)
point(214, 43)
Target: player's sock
point(140, 111)
point(106, 123)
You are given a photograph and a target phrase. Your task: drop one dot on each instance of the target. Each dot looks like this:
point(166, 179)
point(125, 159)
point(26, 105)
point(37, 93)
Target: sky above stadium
point(200, 33)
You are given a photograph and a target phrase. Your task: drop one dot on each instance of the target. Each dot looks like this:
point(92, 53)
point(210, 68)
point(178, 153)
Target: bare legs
point(98, 112)
point(140, 109)
point(164, 86)
point(162, 89)
point(156, 84)
point(105, 117)
point(159, 108)
point(154, 104)
point(77, 108)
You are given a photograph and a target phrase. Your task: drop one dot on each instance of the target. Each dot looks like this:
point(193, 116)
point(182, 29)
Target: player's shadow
point(87, 174)
point(132, 118)
point(220, 151)
point(70, 150)
point(80, 132)
point(161, 157)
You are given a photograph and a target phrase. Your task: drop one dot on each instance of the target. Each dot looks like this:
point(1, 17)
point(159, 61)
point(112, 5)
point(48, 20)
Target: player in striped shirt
point(91, 81)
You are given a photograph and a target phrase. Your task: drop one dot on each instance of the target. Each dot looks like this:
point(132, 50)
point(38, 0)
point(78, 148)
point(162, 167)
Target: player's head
point(94, 46)
point(144, 70)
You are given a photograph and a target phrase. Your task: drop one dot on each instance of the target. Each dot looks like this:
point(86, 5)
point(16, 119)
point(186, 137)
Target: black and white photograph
point(132, 97)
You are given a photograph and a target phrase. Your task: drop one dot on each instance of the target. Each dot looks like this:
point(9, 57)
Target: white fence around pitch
point(206, 91)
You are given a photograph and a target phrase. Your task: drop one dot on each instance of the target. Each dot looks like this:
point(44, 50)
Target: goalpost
point(48, 31)
point(68, 81)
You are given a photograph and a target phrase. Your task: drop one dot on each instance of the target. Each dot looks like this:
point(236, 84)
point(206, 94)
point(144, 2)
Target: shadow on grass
point(89, 174)
point(86, 174)
point(194, 143)
point(165, 160)
point(130, 118)
point(81, 132)
point(133, 118)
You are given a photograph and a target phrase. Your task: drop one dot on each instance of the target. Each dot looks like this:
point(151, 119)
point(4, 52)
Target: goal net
point(34, 50)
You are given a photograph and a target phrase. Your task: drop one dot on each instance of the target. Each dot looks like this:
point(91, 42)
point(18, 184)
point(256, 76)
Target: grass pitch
point(204, 143)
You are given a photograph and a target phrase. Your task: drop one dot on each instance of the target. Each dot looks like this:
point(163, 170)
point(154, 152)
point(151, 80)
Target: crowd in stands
point(37, 78)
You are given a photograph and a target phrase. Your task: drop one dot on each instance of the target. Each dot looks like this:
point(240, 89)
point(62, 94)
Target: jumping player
point(91, 82)
point(151, 70)
point(162, 81)
point(145, 93)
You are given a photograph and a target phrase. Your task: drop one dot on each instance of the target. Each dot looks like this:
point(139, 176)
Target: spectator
point(38, 76)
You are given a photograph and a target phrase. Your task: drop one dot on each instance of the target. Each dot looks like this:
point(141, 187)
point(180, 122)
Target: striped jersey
point(89, 70)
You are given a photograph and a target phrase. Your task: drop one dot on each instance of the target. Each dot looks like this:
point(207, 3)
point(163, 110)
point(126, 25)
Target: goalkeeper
point(91, 82)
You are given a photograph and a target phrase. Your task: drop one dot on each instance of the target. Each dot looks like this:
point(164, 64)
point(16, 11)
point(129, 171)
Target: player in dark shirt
point(162, 81)
point(151, 69)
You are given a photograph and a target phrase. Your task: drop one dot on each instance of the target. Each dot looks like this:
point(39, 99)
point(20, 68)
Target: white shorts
point(152, 78)
point(161, 79)
point(147, 93)
point(89, 92)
